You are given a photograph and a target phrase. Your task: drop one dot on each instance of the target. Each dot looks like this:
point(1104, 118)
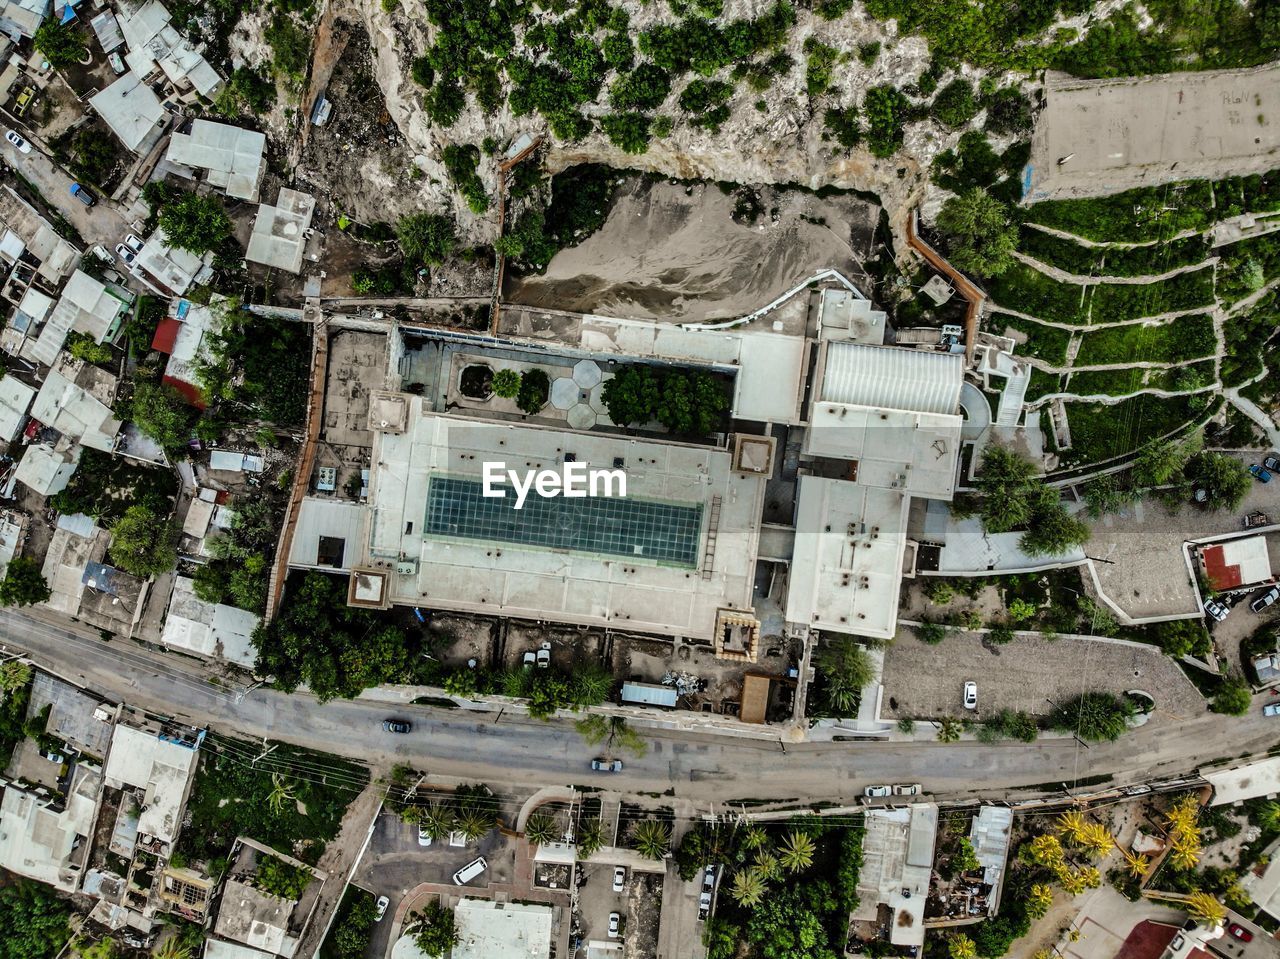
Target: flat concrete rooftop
point(644, 562)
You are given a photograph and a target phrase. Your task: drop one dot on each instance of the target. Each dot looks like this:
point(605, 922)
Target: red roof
point(166, 335)
point(190, 392)
point(1221, 574)
point(1147, 940)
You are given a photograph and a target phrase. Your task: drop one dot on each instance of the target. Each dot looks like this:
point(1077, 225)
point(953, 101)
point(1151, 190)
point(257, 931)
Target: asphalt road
point(702, 767)
point(101, 223)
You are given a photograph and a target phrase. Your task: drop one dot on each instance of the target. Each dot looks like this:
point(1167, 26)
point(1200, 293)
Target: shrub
point(426, 237)
point(842, 124)
point(506, 383)
point(532, 394)
point(955, 104)
point(644, 88)
point(627, 131)
point(886, 109)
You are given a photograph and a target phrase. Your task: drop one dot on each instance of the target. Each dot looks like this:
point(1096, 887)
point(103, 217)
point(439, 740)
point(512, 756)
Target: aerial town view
point(640, 479)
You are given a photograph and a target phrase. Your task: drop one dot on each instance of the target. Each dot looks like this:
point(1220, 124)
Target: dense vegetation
point(1013, 499)
point(36, 922)
point(684, 401)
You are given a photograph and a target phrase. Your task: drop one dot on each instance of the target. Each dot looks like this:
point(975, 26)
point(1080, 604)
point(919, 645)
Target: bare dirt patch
point(674, 251)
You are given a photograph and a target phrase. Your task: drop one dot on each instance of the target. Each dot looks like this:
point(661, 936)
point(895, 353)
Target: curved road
point(701, 767)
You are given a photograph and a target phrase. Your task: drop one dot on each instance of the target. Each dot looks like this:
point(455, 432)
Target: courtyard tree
point(161, 413)
point(194, 222)
point(143, 542)
point(435, 932)
point(23, 583)
point(505, 383)
point(964, 859)
point(845, 668)
point(983, 235)
point(62, 45)
point(535, 386)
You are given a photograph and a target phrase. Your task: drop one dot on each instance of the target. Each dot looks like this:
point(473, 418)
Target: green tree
point(426, 237)
point(195, 223)
point(354, 927)
point(14, 675)
point(36, 922)
point(748, 888)
point(161, 413)
point(964, 859)
point(506, 383)
point(1184, 637)
point(535, 386)
point(796, 852)
point(435, 931)
point(931, 633)
point(1233, 697)
point(1223, 478)
point(1094, 716)
point(785, 926)
point(983, 235)
point(845, 668)
point(475, 820)
point(590, 838)
point(949, 730)
point(61, 45)
point(691, 402)
point(631, 395)
point(885, 108)
point(955, 104)
point(540, 829)
point(143, 543)
point(652, 838)
point(23, 584)
point(279, 878)
point(1160, 462)
point(627, 131)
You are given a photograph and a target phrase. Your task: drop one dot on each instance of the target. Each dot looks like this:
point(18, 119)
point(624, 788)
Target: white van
point(470, 871)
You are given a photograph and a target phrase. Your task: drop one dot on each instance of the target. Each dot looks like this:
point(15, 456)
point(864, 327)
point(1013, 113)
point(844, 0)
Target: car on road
point(877, 792)
point(1265, 600)
point(1216, 610)
point(1258, 473)
point(126, 254)
point(1237, 931)
point(907, 789)
point(397, 725)
point(1272, 463)
point(382, 904)
point(424, 837)
point(1271, 709)
point(619, 878)
point(970, 695)
point(83, 195)
point(615, 925)
point(602, 765)
point(468, 872)
point(22, 145)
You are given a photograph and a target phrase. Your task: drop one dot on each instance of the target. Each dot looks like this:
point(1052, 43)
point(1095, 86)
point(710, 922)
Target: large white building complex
point(797, 510)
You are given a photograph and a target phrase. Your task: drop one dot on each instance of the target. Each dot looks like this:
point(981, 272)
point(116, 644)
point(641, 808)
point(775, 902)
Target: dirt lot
point(472, 639)
point(672, 251)
point(923, 681)
point(568, 646)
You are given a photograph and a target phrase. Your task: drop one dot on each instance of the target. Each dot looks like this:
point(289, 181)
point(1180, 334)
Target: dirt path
point(326, 51)
point(1062, 276)
point(1081, 327)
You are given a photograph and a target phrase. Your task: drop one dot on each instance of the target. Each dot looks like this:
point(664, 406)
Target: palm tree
point(1205, 909)
point(1044, 850)
point(1071, 824)
point(540, 829)
point(1269, 816)
point(652, 838)
point(437, 820)
point(767, 866)
point(960, 946)
point(1186, 851)
point(412, 815)
point(1183, 815)
point(14, 674)
point(949, 730)
point(753, 837)
point(1039, 900)
point(1073, 883)
point(1095, 839)
point(590, 838)
point(748, 888)
point(172, 948)
point(474, 822)
point(1090, 876)
point(281, 793)
point(1137, 863)
point(796, 852)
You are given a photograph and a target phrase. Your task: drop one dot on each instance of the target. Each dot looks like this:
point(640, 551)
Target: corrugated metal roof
point(892, 378)
point(649, 694)
point(166, 335)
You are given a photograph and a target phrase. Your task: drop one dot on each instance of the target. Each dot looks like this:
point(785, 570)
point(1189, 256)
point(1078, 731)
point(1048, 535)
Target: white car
point(877, 792)
point(619, 878)
point(544, 656)
point(615, 925)
point(22, 145)
point(970, 695)
point(382, 904)
point(133, 242)
point(529, 659)
point(907, 789)
point(126, 254)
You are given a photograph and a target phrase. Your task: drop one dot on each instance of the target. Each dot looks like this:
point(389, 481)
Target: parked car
point(1238, 931)
point(970, 695)
point(382, 904)
point(907, 789)
point(126, 254)
point(1265, 600)
point(397, 725)
point(1200, 494)
point(544, 656)
point(615, 926)
point(117, 63)
point(528, 659)
point(83, 195)
point(704, 906)
point(133, 242)
point(602, 765)
point(1216, 610)
point(22, 145)
point(1272, 463)
point(709, 877)
point(424, 838)
point(1271, 709)
point(877, 792)
point(619, 878)
point(470, 871)
point(1258, 473)
point(1256, 518)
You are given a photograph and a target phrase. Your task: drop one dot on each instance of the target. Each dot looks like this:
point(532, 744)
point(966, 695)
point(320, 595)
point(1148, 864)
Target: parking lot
point(597, 899)
point(926, 682)
point(638, 907)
